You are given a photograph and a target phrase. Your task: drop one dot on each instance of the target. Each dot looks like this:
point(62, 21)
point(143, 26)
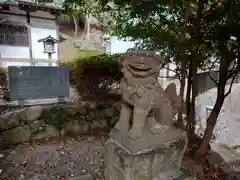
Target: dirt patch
point(61, 158)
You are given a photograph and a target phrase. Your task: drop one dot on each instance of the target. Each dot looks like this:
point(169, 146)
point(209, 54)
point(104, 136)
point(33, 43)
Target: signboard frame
point(38, 82)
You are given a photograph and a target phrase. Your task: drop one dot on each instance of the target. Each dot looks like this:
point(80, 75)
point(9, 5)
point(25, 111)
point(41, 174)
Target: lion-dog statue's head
point(140, 64)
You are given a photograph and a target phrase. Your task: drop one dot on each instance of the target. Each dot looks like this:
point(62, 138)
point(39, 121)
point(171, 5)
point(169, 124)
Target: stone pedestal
point(155, 156)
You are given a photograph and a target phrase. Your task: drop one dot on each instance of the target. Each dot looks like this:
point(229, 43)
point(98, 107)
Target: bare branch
point(231, 84)
point(210, 70)
point(170, 70)
point(231, 73)
point(234, 70)
point(210, 76)
point(212, 66)
point(169, 77)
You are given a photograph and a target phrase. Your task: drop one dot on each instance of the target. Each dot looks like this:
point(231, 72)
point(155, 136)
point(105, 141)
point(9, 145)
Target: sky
point(120, 46)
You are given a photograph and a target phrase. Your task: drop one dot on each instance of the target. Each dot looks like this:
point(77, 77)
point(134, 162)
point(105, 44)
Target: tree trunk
point(191, 116)
point(75, 20)
point(87, 27)
point(181, 94)
point(195, 61)
point(211, 121)
point(189, 89)
point(225, 62)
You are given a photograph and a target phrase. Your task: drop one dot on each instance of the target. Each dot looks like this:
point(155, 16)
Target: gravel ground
point(55, 159)
point(66, 158)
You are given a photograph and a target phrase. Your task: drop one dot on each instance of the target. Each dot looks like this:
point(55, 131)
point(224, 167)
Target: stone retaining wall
point(39, 122)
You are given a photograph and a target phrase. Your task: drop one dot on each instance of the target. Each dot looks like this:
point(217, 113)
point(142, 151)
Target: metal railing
point(15, 35)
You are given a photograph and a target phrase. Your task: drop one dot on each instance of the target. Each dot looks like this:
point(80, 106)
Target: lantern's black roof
point(49, 38)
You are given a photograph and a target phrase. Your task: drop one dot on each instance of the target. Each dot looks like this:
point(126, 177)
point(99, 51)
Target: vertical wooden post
point(30, 39)
point(58, 37)
point(1, 63)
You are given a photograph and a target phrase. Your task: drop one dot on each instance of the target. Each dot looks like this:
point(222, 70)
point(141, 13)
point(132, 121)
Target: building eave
point(33, 6)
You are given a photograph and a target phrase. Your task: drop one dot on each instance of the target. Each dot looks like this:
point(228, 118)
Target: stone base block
point(152, 157)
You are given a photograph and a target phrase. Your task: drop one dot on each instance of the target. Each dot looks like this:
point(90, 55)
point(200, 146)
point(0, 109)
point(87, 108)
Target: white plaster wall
point(40, 28)
point(37, 48)
point(165, 80)
point(228, 124)
point(14, 52)
point(172, 66)
point(6, 64)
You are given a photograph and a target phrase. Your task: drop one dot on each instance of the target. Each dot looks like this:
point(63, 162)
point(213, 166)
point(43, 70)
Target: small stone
point(83, 171)
point(190, 178)
point(21, 177)
point(24, 163)
point(1, 155)
point(82, 177)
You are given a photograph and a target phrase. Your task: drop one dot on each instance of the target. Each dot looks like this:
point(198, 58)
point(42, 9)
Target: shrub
point(3, 77)
point(72, 64)
point(94, 76)
point(3, 84)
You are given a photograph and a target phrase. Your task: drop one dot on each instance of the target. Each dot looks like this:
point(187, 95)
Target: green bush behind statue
point(95, 77)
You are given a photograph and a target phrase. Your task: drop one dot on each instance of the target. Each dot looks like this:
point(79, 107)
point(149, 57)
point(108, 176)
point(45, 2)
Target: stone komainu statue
point(144, 101)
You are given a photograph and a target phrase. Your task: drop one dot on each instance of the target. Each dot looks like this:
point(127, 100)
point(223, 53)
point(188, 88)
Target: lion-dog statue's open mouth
point(139, 69)
point(141, 66)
